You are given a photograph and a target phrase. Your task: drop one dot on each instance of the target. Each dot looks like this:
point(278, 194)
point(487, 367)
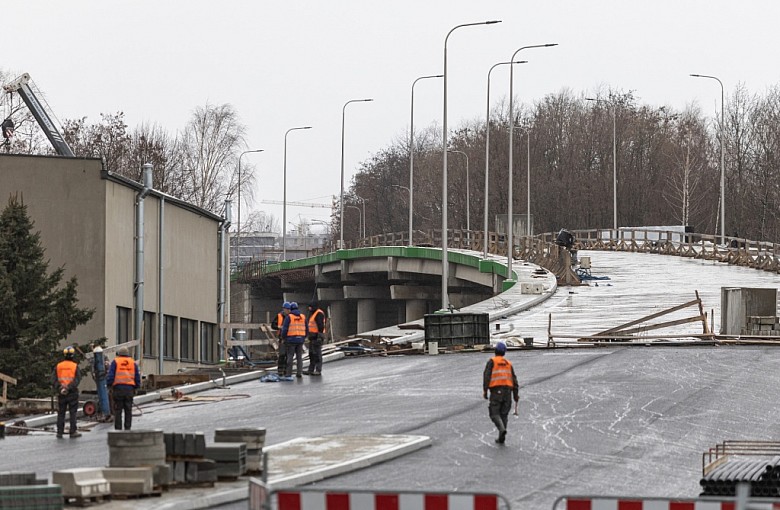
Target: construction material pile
point(731, 463)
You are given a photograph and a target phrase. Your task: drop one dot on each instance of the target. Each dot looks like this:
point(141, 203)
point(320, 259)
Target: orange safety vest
point(66, 372)
point(502, 373)
point(125, 371)
point(279, 320)
point(297, 326)
point(313, 329)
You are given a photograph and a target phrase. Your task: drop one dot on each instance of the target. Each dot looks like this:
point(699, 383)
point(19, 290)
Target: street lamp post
point(341, 195)
point(722, 165)
point(445, 299)
point(238, 222)
point(411, 157)
point(614, 162)
point(468, 191)
point(409, 191)
point(510, 213)
point(363, 203)
point(487, 151)
point(284, 194)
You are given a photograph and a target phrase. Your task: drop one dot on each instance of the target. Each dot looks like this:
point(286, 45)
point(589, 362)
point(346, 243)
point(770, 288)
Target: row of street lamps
point(446, 150)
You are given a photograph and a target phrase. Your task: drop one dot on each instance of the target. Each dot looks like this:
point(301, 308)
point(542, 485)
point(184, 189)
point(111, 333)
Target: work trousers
point(315, 354)
point(499, 406)
point(123, 404)
point(294, 350)
point(281, 365)
point(69, 403)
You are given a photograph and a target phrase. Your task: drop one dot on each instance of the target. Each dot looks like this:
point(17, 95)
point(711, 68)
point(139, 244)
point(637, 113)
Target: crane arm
point(21, 85)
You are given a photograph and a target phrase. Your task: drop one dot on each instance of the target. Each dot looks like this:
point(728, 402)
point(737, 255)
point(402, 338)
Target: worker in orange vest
point(66, 380)
point(316, 338)
point(294, 332)
point(499, 377)
point(123, 378)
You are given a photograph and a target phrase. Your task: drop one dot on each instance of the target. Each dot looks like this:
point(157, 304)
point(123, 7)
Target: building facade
point(87, 220)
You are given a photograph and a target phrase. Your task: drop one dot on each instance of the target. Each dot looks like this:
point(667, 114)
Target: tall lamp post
point(722, 165)
point(614, 162)
point(510, 213)
point(238, 223)
point(411, 157)
point(284, 194)
point(445, 299)
point(468, 190)
point(487, 150)
point(341, 195)
point(409, 191)
point(363, 203)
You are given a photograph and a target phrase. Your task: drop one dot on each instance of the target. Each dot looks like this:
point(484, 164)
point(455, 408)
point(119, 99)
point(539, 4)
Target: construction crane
point(302, 204)
point(21, 85)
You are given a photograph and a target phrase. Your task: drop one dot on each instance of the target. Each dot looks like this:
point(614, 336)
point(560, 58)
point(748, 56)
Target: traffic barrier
point(638, 503)
point(387, 500)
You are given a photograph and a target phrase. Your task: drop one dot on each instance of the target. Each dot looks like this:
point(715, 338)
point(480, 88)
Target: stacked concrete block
point(82, 484)
point(24, 490)
point(130, 481)
point(140, 448)
point(254, 438)
point(230, 458)
point(759, 325)
point(185, 454)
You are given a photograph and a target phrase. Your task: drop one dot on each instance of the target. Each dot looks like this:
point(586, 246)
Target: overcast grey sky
point(290, 63)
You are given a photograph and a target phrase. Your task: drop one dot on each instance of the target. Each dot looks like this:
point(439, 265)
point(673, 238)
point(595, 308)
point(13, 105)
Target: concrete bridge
point(381, 284)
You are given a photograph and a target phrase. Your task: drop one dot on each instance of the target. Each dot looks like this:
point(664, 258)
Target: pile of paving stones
point(253, 438)
point(186, 454)
point(24, 490)
point(763, 475)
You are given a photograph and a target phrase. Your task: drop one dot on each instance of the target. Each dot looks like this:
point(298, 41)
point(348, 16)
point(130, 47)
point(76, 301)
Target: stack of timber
point(185, 453)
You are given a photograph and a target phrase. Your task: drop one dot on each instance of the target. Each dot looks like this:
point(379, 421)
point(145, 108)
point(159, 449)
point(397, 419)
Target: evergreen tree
point(37, 311)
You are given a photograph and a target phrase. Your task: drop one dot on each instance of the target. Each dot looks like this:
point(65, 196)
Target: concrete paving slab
point(296, 462)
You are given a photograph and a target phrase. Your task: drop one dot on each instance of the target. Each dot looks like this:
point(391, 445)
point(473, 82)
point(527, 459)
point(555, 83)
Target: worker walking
point(316, 338)
point(66, 380)
point(123, 378)
point(294, 332)
point(499, 377)
point(281, 365)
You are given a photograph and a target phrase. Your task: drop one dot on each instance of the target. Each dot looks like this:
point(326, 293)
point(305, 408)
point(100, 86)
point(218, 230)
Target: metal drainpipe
point(139, 256)
point(160, 280)
point(223, 235)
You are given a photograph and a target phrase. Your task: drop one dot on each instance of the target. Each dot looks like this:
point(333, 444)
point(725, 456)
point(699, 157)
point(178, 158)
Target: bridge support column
point(415, 309)
point(366, 315)
point(338, 319)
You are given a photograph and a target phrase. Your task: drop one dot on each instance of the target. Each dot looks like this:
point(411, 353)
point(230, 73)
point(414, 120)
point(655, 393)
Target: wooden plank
point(649, 317)
point(660, 325)
point(7, 378)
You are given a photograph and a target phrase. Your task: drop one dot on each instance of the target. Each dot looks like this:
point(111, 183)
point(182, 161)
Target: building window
point(189, 332)
point(149, 336)
point(169, 342)
point(123, 324)
point(208, 342)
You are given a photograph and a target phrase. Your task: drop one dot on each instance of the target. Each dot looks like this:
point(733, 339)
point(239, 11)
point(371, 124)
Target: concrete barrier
point(82, 482)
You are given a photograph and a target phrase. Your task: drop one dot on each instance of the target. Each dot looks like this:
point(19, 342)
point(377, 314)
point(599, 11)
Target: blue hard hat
point(286, 305)
point(293, 305)
point(500, 348)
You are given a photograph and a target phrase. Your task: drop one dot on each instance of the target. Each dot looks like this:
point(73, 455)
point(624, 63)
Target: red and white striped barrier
point(329, 500)
point(658, 504)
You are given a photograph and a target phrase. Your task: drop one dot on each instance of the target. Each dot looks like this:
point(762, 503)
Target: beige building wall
point(87, 224)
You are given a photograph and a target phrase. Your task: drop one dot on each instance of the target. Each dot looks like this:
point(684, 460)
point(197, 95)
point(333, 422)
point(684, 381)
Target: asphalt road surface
point(628, 421)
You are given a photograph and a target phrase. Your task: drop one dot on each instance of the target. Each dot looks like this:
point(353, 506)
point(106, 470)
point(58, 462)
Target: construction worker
point(499, 377)
point(316, 338)
point(66, 380)
point(281, 365)
point(294, 332)
point(123, 378)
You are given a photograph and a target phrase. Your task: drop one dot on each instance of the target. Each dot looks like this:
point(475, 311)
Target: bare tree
point(683, 193)
point(211, 144)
